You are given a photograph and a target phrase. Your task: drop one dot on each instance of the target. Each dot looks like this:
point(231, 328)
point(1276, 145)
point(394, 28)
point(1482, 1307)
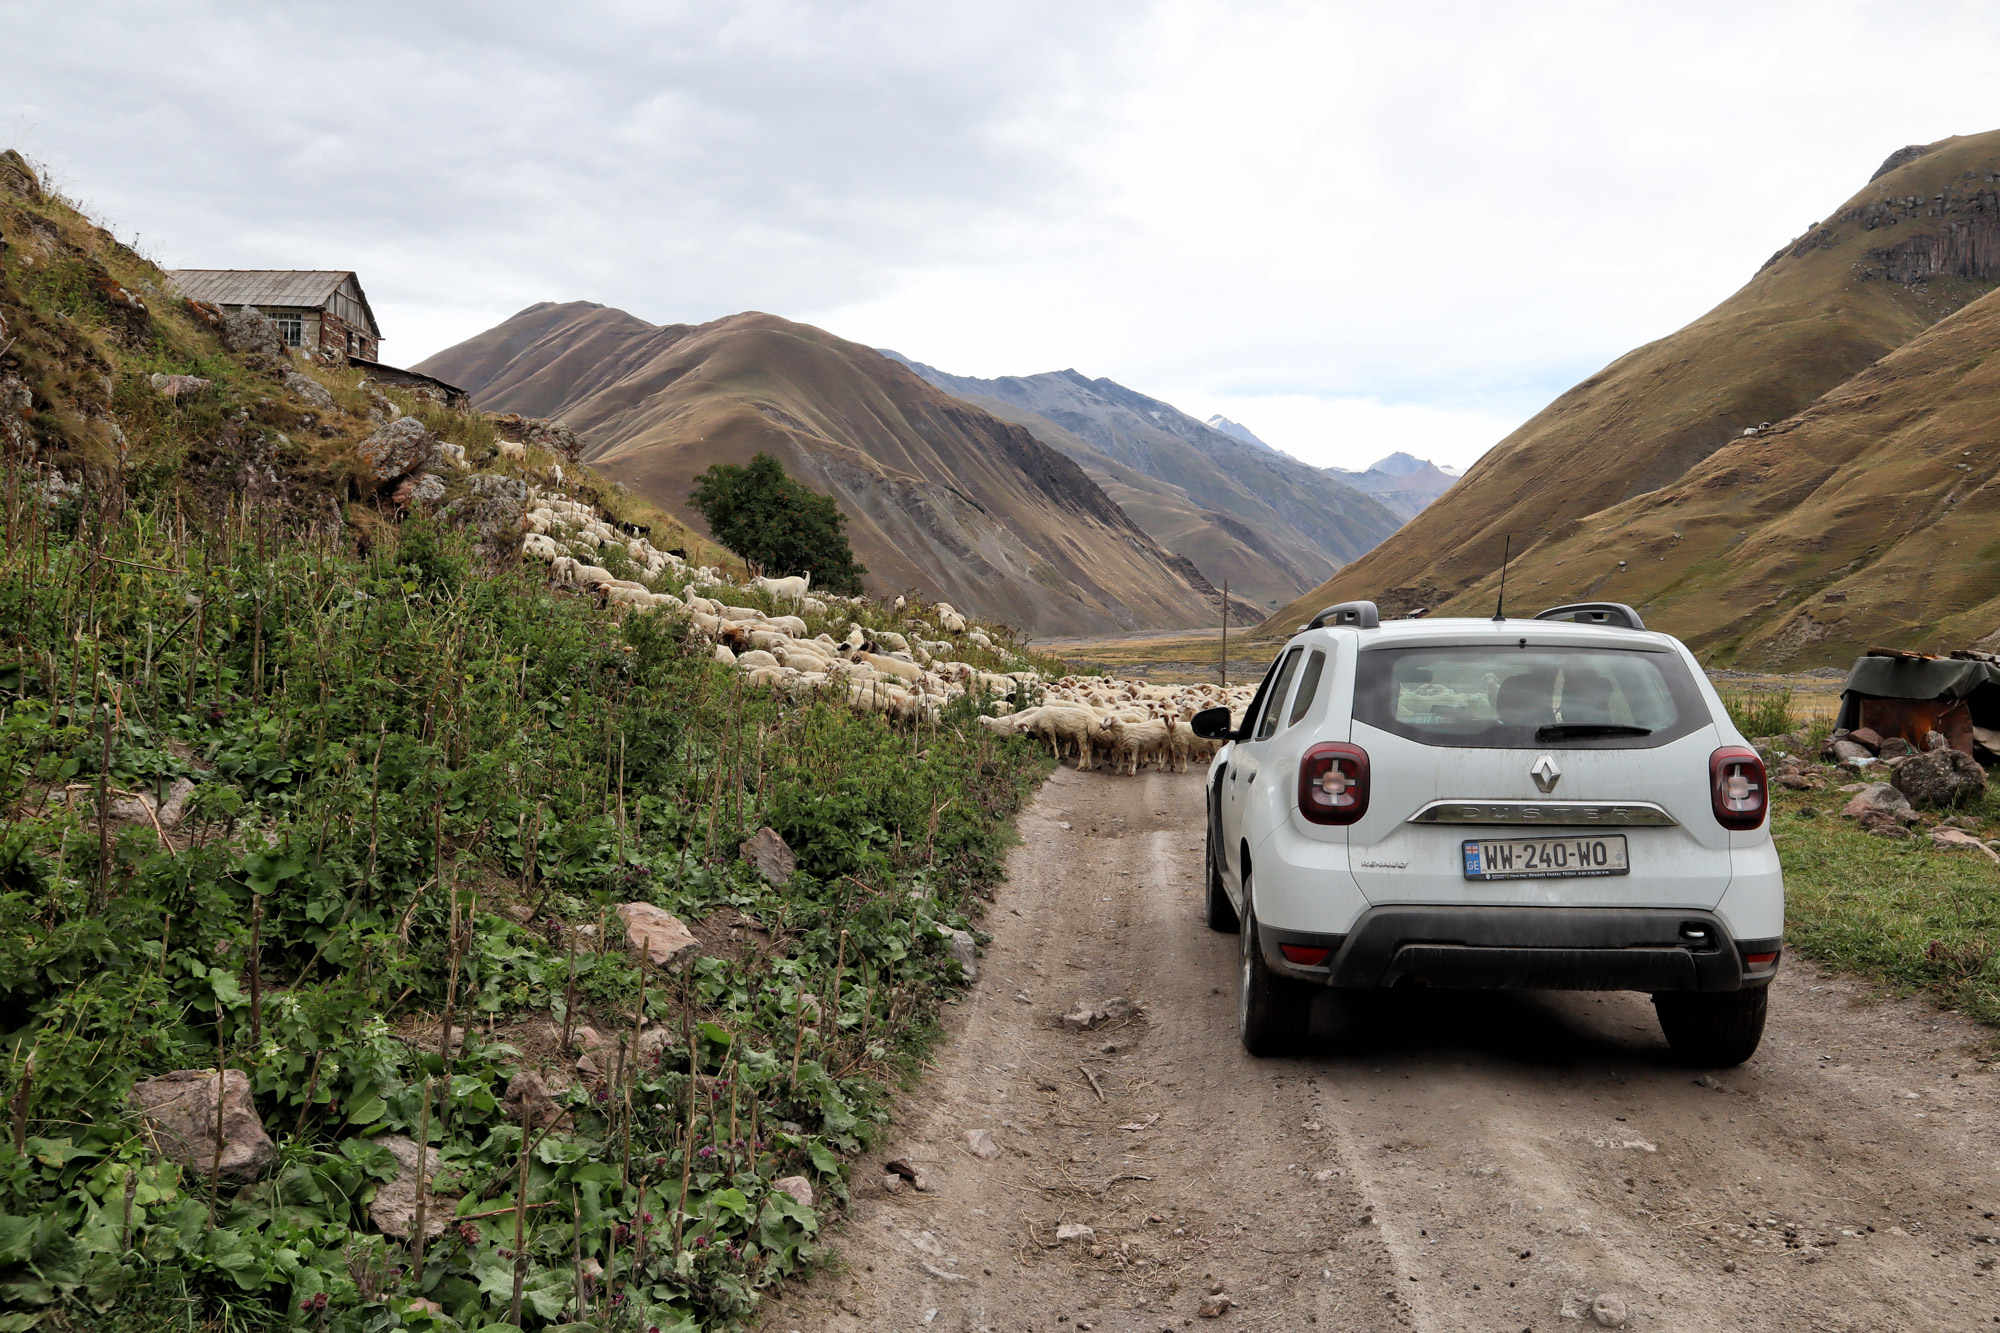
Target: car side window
point(1308, 686)
point(1274, 702)
point(1256, 708)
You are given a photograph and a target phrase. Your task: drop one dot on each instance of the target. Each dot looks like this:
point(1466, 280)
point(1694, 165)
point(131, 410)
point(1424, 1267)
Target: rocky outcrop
point(180, 1111)
point(399, 448)
point(554, 436)
point(247, 329)
point(18, 178)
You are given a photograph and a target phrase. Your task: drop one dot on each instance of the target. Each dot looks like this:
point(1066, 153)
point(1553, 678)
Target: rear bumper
point(1530, 948)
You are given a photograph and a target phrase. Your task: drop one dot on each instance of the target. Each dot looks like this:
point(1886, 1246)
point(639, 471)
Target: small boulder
point(248, 329)
point(1213, 1307)
point(1877, 798)
point(1895, 747)
point(657, 933)
point(1866, 736)
point(398, 448)
point(1940, 778)
point(964, 951)
point(768, 855)
point(180, 1109)
point(422, 488)
point(177, 387)
point(394, 1209)
point(1075, 1231)
point(798, 1187)
point(308, 390)
point(980, 1141)
point(1958, 838)
point(528, 1098)
point(1848, 751)
point(1608, 1311)
point(893, 1183)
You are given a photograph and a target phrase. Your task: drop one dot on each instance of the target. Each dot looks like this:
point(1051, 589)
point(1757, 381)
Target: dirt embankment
point(1463, 1162)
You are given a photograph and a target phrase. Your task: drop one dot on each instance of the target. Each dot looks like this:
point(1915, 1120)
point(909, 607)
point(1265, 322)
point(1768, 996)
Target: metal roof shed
point(300, 300)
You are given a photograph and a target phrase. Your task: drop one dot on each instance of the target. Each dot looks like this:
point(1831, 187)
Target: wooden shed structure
point(322, 312)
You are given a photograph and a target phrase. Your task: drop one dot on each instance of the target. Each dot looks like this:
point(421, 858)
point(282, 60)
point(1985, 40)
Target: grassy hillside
point(941, 496)
point(1913, 246)
point(1867, 519)
point(324, 789)
point(1237, 508)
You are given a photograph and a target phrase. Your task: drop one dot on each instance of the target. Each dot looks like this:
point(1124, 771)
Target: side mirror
point(1212, 724)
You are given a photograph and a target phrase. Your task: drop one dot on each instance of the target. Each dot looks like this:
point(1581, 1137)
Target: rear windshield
point(1496, 696)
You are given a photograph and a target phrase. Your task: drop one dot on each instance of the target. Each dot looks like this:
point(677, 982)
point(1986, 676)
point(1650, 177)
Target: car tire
point(1272, 1012)
point(1714, 1031)
point(1221, 912)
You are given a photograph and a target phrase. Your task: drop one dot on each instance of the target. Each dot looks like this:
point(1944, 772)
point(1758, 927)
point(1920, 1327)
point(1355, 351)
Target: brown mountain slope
point(1241, 510)
point(1917, 243)
point(940, 495)
point(1873, 517)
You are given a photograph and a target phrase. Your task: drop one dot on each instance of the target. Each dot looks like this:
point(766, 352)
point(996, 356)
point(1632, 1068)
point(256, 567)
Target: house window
point(291, 327)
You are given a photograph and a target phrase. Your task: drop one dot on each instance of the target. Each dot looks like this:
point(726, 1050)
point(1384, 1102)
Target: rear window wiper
point(1569, 731)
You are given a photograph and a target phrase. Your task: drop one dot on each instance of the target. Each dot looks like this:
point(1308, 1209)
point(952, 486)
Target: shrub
point(776, 523)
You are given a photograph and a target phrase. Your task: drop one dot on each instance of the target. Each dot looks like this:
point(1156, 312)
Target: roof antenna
point(1506, 552)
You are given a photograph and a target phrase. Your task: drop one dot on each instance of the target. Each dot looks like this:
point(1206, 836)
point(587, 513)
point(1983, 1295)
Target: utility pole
point(1225, 634)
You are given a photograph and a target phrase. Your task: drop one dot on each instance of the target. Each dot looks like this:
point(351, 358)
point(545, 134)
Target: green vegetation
point(777, 524)
point(417, 793)
point(1761, 712)
point(1919, 917)
point(344, 803)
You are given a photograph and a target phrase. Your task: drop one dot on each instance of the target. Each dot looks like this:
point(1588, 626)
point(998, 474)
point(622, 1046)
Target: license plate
point(1545, 858)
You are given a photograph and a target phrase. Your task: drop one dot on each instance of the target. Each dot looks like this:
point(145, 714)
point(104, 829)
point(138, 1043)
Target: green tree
point(777, 524)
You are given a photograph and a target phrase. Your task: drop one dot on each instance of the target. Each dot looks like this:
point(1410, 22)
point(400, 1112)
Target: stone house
point(323, 313)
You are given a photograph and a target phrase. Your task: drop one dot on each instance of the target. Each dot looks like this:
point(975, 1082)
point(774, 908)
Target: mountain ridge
point(1242, 511)
point(940, 495)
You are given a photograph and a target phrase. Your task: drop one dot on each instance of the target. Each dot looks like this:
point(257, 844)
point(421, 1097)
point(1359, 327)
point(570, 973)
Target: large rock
point(180, 1110)
point(309, 389)
point(657, 933)
point(1937, 779)
point(248, 329)
point(394, 1211)
point(399, 448)
point(178, 387)
point(797, 1186)
point(769, 856)
point(490, 502)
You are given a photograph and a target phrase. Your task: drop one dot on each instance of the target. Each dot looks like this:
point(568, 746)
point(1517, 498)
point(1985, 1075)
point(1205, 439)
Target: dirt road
point(1472, 1162)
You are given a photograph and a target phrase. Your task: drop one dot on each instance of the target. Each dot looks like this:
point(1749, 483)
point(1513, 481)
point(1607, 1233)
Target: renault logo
point(1546, 774)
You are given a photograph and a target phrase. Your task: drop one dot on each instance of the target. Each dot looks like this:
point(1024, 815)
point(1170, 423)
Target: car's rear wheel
point(1714, 1031)
point(1272, 1012)
point(1221, 912)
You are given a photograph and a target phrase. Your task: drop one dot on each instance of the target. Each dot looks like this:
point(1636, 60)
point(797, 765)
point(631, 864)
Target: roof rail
point(1615, 614)
point(1356, 615)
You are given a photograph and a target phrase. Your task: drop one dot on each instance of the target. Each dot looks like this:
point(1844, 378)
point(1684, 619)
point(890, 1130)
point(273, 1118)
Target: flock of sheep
point(1125, 724)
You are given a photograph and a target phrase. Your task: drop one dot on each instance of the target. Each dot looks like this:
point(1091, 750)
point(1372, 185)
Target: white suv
point(1557, 803)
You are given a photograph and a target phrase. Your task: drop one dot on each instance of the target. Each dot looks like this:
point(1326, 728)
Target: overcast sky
point(1354, 227)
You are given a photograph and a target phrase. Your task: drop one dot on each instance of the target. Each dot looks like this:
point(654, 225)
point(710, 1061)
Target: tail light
point(1333, 783)
point(1737, 788)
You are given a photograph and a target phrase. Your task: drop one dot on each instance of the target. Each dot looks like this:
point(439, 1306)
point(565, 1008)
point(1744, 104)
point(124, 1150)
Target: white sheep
point(540, 547)
point(511, 448)
point(791, 588)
